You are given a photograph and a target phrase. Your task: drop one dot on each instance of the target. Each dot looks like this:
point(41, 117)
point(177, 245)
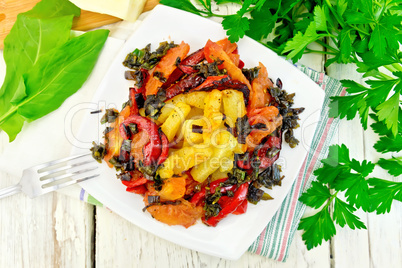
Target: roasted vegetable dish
point(199, 135)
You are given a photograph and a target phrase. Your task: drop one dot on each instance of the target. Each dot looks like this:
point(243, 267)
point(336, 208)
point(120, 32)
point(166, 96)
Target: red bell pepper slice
point(134, 106)
point(245, 165)
point(239, 196)
point(212, 82)
point(191, 81)
point(241, 64)
point(199, 196)
point(134, 182)
point(185, 67)
point(266, 161)
point(222, 82)
point(262, 153)
point(187, 64)
point(140, 189)
point(242, 208)
point(165, 147)
point(152, 150)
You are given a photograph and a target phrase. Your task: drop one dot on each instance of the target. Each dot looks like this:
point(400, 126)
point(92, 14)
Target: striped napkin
point(275, 240)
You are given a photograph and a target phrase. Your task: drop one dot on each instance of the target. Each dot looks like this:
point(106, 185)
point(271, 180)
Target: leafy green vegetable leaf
point(379, 91)
point(387, 142)
point(343, 214)
point(334, 165)
point(60, 73)
point(298, 44)
point(236, 26)
point(20, 90)
point(388, 112)
point(337, 154)
point(393, 165)
point(262, 22)
point(355, 17)
point(317, 228)
point(382, 194)
point(348, 106)
point(30, 53)
point(357, 192)
point(377, 41)
point(320, 18)
point(29, 39)
point(345, 174)
point(346, 40)
point(316, 195)
point(13, 125)
point(53, 8)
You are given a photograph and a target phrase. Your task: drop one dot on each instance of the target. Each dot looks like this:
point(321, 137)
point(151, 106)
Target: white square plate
point(233, 235)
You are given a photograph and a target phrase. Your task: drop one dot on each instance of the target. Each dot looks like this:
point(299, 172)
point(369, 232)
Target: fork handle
point(15, 189)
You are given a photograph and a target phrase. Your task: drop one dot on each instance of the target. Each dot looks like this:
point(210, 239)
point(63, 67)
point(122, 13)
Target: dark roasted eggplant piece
point(144, 58)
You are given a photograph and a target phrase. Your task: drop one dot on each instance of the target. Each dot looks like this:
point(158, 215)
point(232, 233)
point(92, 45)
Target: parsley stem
point(319, 51)
point(205, 5)
point(384, 76)
point(359, 30)
point(395, 67)
point(330, 200)
point(327, 46)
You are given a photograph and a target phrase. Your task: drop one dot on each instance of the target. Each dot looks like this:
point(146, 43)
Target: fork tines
point(61, 173)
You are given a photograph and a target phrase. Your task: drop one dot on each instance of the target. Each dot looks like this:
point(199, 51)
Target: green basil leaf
point(34, 33)
point(60, 73)
point(53, 8)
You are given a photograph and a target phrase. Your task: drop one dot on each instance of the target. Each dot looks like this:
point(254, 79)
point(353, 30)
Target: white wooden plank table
point(59, 231)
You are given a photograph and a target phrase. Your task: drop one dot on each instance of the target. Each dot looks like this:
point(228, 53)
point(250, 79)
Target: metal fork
point(54, 175)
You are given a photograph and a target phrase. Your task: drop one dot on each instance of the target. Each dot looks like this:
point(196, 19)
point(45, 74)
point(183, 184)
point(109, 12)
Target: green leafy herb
point(236, 24)
point(393, 165)
point(44, 66)
point(144, 58)
point(387, 141)
point(339, 173)
point(383, 193)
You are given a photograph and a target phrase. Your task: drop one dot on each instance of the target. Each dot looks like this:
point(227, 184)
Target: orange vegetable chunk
point(184, 213)
point(166, 66)
point(173, 188)
point(269, 116)
point(259, 96)
point(214, 52)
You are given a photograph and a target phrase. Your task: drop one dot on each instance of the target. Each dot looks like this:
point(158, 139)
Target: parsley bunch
point(367, 33)
point(338, 174)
